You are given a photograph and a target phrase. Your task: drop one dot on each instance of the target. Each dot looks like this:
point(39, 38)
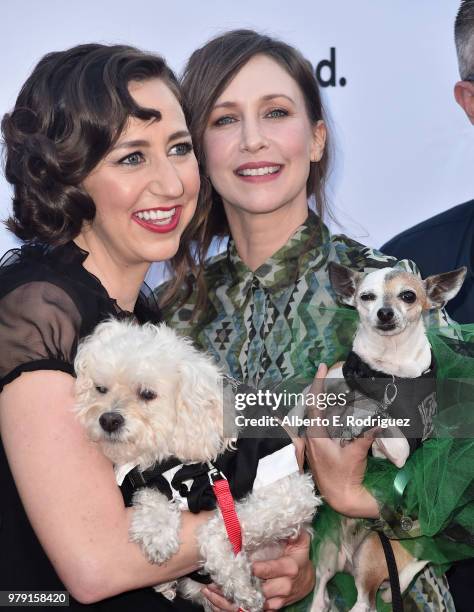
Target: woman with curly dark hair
point(105, 182)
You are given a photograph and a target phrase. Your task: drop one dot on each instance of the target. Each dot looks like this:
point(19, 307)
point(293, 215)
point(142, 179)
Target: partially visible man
point(464, 39)
point(446, 241)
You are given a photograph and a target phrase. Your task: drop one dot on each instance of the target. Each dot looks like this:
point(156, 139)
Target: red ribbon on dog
point(220, 486)
point(225, 501)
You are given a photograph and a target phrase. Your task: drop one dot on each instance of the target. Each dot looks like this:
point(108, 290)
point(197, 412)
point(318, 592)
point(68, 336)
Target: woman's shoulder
point(37, 269)
point(46, 307)
point(38, 263)
point(216, 269)
point(349, 252)
point(353, 254)
point(215, 272)
point(46, 293)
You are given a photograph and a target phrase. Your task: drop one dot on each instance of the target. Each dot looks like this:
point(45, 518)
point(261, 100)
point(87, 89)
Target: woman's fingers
point(214, 595)
point(318, 382)
point(317, 429)
point(275, 568)
point(360, 446)
point(288, 578)
point(299, 451)
point(278, 577)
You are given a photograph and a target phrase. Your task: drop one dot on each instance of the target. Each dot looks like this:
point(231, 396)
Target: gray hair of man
point(464, 39)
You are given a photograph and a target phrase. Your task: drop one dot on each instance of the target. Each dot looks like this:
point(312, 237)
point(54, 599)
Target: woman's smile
point(259, 172)
point(159, 220)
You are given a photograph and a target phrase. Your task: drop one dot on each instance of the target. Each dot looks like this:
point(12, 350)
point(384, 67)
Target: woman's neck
point(258, 236)
point(121, 281)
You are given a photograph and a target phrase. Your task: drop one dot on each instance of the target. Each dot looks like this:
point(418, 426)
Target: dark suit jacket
point(441, 244)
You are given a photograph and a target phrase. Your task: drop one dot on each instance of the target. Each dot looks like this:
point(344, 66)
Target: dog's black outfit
point(412, 400)
point(48, 302)
point(190, 484)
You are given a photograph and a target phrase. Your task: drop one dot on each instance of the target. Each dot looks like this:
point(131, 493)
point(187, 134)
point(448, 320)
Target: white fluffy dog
point(146, 395)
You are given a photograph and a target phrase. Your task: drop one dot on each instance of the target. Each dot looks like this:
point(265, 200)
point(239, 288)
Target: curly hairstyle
point(208, 72)
point(68, 115)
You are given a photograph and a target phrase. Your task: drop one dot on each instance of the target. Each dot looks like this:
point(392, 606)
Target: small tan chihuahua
point(390, 345)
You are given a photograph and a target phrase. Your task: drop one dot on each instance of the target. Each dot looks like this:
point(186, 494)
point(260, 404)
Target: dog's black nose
point(385, 314)
point(111, 421)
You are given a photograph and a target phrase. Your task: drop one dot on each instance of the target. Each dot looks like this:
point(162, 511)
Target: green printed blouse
point(278, 323)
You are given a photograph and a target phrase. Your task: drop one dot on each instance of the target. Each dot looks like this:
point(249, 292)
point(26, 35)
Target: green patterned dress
point(277, 324)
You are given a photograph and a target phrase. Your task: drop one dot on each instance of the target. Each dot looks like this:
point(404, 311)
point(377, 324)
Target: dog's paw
point(155, 525)
point(362, 606)
point(321, 602)
point(239, 585)
point(233, 574)
point(191, 589)
point(167, 589)
point(251, 600)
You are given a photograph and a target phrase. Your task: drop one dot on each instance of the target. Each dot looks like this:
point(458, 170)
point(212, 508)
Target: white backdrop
point(404, 149)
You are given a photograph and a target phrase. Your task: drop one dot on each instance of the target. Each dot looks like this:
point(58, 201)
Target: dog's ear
point(89, 348)
point(199, 409)
point(344, 281)
point(440, 288)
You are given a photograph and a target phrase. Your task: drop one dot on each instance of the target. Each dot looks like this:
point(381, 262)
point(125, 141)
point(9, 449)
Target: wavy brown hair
point(68, 115)
point(207, 73)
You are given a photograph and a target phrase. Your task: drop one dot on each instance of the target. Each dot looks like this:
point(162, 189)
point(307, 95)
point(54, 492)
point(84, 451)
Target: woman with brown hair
point(270, 316)
point(105, 182)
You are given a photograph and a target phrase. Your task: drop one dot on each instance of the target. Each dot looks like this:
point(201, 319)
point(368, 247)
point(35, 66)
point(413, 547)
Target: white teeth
point(259, 171)
point(164, 214)
point(160, 217)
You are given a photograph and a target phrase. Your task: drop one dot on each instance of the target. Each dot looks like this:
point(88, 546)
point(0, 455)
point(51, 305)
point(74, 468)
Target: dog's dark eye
point(147, 395)
point(408, 296)
point(101, 389)
point(367, 297)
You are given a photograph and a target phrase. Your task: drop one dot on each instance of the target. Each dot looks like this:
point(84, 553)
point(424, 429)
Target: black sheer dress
point(48, 302)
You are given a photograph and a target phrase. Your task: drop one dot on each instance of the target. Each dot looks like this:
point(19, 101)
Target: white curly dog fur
point(145, 394)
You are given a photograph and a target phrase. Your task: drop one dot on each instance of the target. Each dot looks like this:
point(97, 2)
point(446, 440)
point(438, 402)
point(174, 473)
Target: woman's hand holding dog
point(339, 470)
point(289, 578)
point(285, 580)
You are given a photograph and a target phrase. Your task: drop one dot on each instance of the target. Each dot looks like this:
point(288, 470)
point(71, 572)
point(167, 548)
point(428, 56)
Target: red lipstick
point(152, 225)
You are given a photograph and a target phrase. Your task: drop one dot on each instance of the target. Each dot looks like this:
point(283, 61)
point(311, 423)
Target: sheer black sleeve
point(39, 330)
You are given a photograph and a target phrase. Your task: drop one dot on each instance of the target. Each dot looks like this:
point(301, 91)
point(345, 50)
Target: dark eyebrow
point(130, 144)
point(225, 105)
point(179, 134)
point(265, 98)
point(278, 95)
